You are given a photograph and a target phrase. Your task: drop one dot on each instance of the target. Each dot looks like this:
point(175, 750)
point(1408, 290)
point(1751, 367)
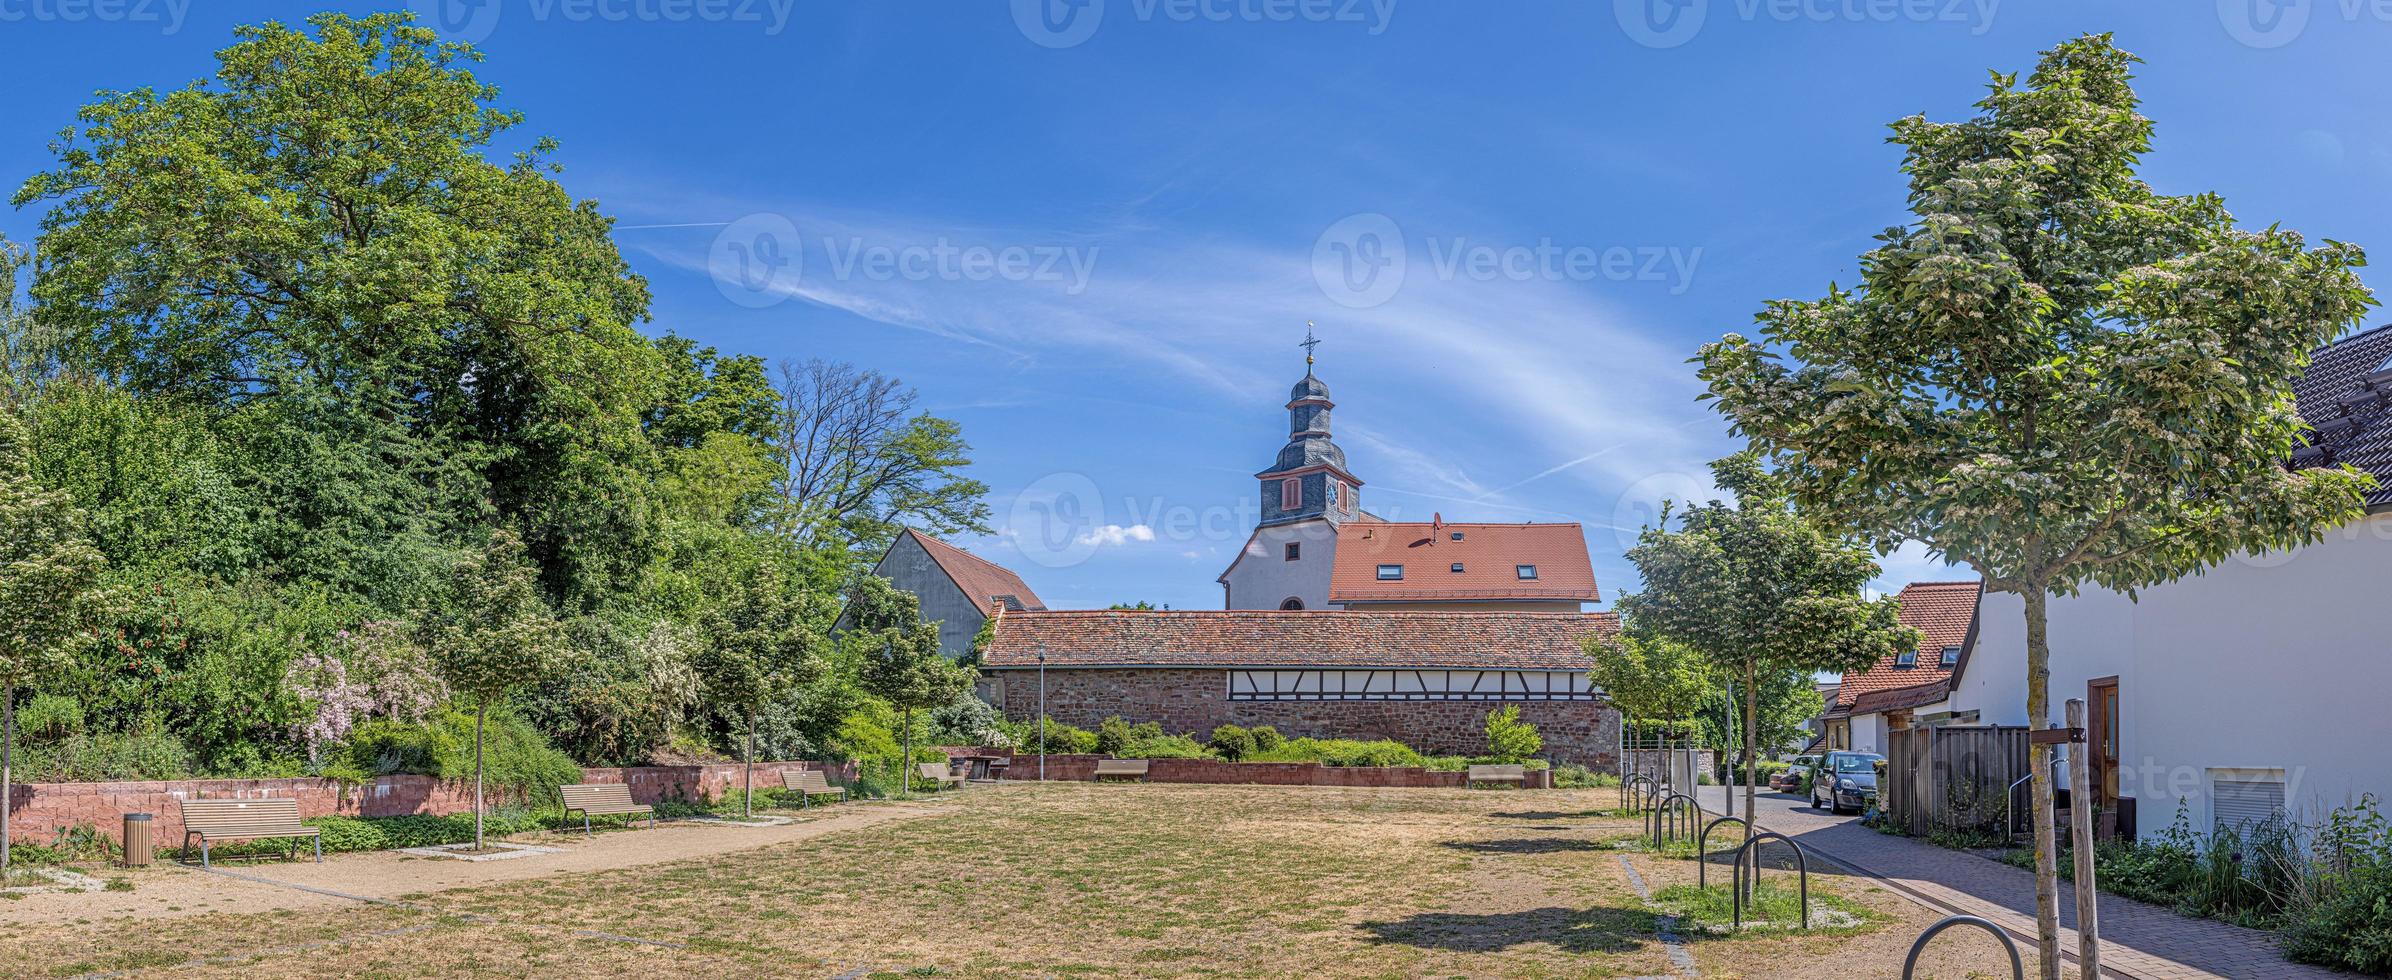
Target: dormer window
point(1951, 656)
point(1391, 573)
point(1457, 568)
point(1906, 659)
point(1528, 573)
point(1291, 494)
point(1457, 535)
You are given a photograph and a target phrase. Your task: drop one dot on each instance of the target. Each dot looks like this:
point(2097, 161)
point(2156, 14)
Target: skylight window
point(1457, 568)
point(1528, 573)
point(1951, 655)
point(1457, 535)
point(1907, 658)
point(1391, 573)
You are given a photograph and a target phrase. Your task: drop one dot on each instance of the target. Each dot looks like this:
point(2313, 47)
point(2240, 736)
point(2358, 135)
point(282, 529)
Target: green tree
point(1509, 739)
point(1651, 678)
point(2053, 373)
point(1757, 590)
point(901, 660)
point(47, 570)
point(496, 635)
point(757, 649)
point(1786, 702)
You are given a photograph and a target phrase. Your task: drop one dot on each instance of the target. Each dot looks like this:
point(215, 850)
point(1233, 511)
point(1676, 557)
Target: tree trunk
point(479, 712)
point(747, 791)
point(8, 758)
point(2080, 830)
point(2047, 845)
point(1752, 718)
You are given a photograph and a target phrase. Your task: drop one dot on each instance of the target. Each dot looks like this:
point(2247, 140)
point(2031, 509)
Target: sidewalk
point(2138, 940)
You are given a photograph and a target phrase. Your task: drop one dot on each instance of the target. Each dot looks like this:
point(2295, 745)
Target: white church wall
point(1263, 578)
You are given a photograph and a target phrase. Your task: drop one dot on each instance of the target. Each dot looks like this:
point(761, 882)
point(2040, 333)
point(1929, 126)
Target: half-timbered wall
point(1409, 685)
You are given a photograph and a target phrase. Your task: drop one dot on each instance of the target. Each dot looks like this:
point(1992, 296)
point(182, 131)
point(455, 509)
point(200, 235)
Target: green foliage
point(1651, 677)
point(515, 755)
point(1266, 738)
point(47, 567)
point(1061, 739)
point(1341, 752)
point(1784, 704)
point(104, 756)
point(756, 646)
point(1510, 740)
point(498, 634)
point(1574, 776)
point(50, 718)
point(1231, 742)
point(964, 720)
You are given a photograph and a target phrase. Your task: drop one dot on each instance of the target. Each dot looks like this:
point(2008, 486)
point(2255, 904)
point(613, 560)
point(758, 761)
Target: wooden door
point(2101, 737)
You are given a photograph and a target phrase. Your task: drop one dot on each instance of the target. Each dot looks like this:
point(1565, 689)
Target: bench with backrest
point(1121, 769)
point(1515, 775)
point(603, 800)
point(938, 774)
point(810, 782)
point(223, 820)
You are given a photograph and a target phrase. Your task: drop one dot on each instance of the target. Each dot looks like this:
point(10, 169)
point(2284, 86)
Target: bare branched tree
point(861, 460)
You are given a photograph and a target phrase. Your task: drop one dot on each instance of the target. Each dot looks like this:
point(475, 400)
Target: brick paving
point(2139, 940)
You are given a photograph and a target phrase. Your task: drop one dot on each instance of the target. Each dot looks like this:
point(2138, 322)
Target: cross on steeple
point(1309, 343)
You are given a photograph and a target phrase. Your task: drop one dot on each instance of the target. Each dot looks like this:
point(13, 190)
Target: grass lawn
point(1072, 880)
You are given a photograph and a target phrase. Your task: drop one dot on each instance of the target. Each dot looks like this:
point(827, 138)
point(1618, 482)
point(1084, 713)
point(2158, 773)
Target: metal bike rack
point(1674, 808)
point(1628, 790)
point(1702, 849)
point(2017, 969)
point(1802, 864)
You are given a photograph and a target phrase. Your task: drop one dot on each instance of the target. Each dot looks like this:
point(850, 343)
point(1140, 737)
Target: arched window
point(1292, 603)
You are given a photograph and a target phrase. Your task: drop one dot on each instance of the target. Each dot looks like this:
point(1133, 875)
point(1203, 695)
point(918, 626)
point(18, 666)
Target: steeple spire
point(1309, 343)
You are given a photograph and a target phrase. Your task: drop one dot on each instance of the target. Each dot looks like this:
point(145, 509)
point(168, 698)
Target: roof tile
point(1488, 553)
point(1943, 613)
point(1270, 638)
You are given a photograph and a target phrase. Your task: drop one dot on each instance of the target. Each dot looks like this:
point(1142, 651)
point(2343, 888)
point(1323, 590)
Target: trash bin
point(137, 840)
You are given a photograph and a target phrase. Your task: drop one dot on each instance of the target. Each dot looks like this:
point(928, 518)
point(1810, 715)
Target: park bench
point(810, 782)
point(222, 820)
point(1515, 775)
point(603, 800)
point(1121, 769)
point(938, 774)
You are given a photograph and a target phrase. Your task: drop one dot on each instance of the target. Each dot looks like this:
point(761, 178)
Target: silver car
point(1845, 781)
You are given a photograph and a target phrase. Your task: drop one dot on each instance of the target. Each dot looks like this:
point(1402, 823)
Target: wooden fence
point(1955, 778)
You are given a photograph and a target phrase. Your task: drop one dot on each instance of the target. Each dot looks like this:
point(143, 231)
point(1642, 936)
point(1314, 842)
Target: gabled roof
point(1269, 638)
point(2350, 418)
point(1488, 553)
point(985, 582)
point(1945, 614)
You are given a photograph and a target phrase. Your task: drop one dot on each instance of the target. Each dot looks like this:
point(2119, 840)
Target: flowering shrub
point(377, 672)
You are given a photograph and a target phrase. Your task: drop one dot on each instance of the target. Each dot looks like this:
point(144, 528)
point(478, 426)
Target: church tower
point(1306, 494)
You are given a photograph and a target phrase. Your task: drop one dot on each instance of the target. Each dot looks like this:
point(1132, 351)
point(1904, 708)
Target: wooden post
point(2080, 823)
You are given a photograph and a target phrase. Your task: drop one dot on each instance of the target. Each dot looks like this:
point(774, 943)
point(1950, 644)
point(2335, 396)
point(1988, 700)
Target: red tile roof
point(1945, 614)
point(1488, 553)
point(979, 578)
point(1270, 638)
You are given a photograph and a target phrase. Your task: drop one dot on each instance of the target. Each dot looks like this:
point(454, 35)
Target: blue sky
point(1094, 234)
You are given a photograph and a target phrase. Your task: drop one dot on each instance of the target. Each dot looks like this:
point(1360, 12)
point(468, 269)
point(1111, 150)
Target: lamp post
point(1042, 716)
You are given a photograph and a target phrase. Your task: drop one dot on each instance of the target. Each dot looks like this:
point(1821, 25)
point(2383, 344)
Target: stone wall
point(1194, 701)
point(40, 810)
point(1082, 768)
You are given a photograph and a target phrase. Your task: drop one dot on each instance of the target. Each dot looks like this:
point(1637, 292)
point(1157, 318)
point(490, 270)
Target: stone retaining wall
point(1082, 768)
point(41, 810)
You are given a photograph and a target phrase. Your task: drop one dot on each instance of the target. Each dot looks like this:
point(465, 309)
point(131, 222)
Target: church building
point(1338, 624)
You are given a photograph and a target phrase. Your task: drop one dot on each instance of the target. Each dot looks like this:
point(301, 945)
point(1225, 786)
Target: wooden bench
point(1121, 769)
point(939, 774)
point(808, 783)
point(604, 800)
point(1515, 775)
point(218, 820)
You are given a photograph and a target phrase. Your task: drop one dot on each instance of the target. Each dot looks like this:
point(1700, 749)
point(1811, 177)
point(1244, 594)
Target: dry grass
point(1055, 880)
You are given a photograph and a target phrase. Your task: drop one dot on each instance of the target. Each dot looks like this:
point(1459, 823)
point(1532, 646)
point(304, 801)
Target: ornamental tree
point(2052, 373)
point(47, 569)
point(495, 636)
point(757, 649)
point(1650, 678)
point(901, 660)
point(1757, 590)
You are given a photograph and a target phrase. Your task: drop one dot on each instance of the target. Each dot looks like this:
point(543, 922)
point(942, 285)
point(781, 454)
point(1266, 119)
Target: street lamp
point(1042, 716)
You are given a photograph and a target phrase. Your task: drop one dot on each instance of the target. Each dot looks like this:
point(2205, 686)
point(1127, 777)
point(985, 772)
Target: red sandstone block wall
point(38, 811)
point(1195, 701)
point(1081, 768)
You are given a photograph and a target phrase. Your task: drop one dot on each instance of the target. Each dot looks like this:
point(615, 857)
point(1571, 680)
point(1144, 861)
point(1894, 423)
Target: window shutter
point(2244, 801)
point(1291, 494)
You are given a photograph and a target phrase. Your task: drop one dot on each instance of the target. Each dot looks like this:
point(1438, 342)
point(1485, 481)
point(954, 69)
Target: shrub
point(1115, 736)
point(1342, 752)
point(85, 758)
point(514, 754)
point(50, 718)
point(1508, 738)
point(2350, 928)
point(1061, 739)
point(1233, 743)
point(1266, 738)
point(964, 720)
point(1166, 747)
point(1574, 776)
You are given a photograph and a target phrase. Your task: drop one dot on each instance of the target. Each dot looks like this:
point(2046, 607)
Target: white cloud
point(1114, 535)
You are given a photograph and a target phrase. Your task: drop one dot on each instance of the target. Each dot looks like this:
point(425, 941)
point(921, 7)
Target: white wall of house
point(2263, 669)
point(1868, 733)
point(1262, 577)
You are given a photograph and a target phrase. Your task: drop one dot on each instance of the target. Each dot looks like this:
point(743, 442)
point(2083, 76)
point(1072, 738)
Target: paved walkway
point(2138, 940)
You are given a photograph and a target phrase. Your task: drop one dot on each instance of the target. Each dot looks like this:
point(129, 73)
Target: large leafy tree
point(1651, 678)
point(757, 648)
point(313, 246)
point(901, 660)
point(495, 636)
point(1757, 590)
point(46, 571)
point(862, 463)
point(2053, 373)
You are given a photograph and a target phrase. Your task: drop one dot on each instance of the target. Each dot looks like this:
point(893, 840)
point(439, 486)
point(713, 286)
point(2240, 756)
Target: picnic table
point(984, 766)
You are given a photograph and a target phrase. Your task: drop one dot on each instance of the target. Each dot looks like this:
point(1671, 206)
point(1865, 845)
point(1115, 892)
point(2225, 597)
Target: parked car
point(1846, 781)
point(1790, 779)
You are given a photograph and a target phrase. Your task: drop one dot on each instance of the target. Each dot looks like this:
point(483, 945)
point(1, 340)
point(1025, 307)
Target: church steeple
point(1309, 480)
